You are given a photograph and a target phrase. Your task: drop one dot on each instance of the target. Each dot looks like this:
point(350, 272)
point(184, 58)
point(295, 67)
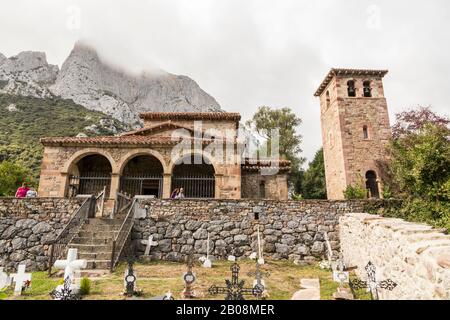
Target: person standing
point(31, 193)
point(174, 194)
point(22, 191)
point(180, 194)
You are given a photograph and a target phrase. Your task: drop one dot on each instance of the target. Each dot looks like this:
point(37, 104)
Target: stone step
point(90, 248)
point(98, 221)
point(93, 241)
point(97, 235)
point(99, 264)
point(95, 255)
point(100, 228)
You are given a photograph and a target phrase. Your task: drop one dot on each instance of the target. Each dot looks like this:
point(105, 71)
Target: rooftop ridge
point(231, 116)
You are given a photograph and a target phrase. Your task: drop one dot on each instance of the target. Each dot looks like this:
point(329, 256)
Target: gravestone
point(71, 267)
point(310, 290)
point(130, 278)
point(372, 284)
point(189, 279)
point(260, 251)
point(259, 282)
point(342, 276)
point(234, 289)
point(149, 244)
point(65, 292)
point(207, 261)
point(22, 280)
point(5, 280)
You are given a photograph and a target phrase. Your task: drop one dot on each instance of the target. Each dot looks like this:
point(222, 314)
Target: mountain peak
point(2, 58)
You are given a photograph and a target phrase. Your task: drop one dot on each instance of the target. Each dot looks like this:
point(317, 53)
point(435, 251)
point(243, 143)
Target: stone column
point(218, 185)
point(115, 185)
point(64, 184)
point(167, 182)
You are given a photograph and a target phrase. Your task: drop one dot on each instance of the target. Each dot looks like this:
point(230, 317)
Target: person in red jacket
point(22, 191)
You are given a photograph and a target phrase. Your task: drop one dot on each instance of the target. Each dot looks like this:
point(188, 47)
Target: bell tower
point(355, 130)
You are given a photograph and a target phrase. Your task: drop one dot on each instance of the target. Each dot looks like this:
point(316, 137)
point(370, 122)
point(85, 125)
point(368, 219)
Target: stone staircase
point(94, 242)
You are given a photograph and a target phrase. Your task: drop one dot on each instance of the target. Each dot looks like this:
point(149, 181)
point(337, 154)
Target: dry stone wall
point(290, 229)
point(27, 226)
point(415, 256)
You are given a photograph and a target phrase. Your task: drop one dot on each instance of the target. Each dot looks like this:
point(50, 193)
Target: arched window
point(372, 184)
point(367, 89)
point(365, 133)
point(351, 90)
point(328, 98)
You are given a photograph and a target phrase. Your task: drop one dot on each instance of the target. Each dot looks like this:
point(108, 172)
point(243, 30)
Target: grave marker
point(22, 280)
point(149, 244)
point(259, 283)
point(234, 289)
point(189, 278)
point(5, 280)
point(65, 292)
point(372, 284)
point(71, 265)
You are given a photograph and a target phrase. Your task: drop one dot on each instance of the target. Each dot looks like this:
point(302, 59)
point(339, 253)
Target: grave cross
point(260, 253)
point(130, 280)
point(259, 282)
point(340, 274)
point(71, 264)
point(149, 244)
point(372, 284)
point(20, 278)
point(5, 280)
point(234, 289)
point(66, 292)
point(189, 278)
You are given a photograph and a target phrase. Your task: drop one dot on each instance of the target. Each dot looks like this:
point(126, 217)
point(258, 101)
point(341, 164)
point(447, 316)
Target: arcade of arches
point(141, 162)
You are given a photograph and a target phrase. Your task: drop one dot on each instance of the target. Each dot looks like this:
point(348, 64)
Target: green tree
point(313, 185)
point(11, 177)
point(266, 119)
point(420, 166)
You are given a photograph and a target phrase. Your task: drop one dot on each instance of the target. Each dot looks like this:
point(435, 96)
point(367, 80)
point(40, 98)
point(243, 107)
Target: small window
point(367, 89)
point(351, 88)
point(365, 133)
point(328, 99)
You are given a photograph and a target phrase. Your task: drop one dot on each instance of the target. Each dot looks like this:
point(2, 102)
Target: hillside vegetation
point(24, 120)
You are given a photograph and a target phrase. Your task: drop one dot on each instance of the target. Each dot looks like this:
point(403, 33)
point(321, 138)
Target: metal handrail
point(58, 246)
point(122, 236)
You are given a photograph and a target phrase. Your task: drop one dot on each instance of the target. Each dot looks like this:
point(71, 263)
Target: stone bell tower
point(355, 130)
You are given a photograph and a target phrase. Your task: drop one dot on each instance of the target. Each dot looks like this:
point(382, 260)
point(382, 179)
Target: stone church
point(150, 162)
point(355, 130)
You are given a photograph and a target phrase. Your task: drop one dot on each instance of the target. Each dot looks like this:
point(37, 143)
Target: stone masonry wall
point(415, 256)
point(27, 226)
point(289, 229)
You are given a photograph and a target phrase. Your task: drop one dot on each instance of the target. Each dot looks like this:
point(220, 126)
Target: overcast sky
point(248, 53)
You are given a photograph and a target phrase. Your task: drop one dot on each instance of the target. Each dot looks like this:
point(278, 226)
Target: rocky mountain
point(89, 81)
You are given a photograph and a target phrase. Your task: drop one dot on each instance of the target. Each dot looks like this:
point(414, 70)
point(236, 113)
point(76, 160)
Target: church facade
point(199, 152)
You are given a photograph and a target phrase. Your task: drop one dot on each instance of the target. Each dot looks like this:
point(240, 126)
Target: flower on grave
point(26, 285)
point(265, 295)
point(325, 265)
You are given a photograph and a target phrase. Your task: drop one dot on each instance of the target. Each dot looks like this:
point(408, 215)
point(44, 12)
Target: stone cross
point(234, 289)
point(372, 284)
point(5, 280)
point(149, 244)
point(71, 264)
point(20, 278)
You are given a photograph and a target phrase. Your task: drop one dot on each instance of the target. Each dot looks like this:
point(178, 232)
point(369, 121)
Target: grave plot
point(156, 279)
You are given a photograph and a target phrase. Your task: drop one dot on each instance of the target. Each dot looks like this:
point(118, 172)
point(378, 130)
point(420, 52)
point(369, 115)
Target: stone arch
point(77, 156)
point(142, 152)
point(88, 171)
point(204, 154)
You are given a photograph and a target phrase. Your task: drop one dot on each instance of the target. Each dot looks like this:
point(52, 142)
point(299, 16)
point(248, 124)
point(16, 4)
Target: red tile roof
point(255, 165)
point(161, 126)
point(347, 72)
point(230, 116)
point(116, 140)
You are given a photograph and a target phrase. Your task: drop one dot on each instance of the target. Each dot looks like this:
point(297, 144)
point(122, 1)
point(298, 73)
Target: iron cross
point(258, 275)
point(189, 278)
point(234, 289)
point(66, 292)
point(130, 279)
point(372, 283)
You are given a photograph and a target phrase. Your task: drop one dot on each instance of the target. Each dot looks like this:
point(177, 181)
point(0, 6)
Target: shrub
point(355, 192)
point(85, 286)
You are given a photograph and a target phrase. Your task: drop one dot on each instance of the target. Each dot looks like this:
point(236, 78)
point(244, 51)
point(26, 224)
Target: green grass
point(156, 278)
